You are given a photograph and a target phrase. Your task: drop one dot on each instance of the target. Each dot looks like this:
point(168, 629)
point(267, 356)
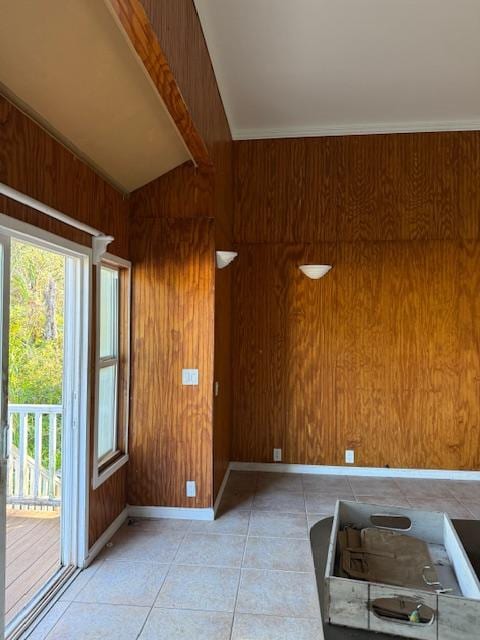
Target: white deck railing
point(34, 476)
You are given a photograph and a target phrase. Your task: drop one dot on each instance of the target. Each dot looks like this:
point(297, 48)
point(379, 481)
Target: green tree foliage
point(37, 293)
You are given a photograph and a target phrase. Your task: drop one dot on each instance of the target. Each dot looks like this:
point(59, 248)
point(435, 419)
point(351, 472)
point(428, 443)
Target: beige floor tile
point(324, 502)
point(48, 621)
point(277, 524)
point(326, 484)
point(161, 525)
point(215, 550)
point(374, 486)
point(237, 500)
point(473, 507)
point(204, 588)
point(99, 622)
point(130, 583)
point(82, 579)
point(245, 480)
point(420, 487)
point(278, 593)
point(279, 482)
point(283, 554)
point(287, 502)
point(255, 627)
point(178, 624)
point(136, 544)
point(463, 490)
point(443, 505)
point(235, 522)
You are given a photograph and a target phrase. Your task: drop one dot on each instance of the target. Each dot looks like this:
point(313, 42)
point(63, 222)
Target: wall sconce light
point(315, 271)
point(224, 258)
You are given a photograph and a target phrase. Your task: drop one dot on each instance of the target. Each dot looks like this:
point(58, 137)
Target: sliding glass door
point(44, 348)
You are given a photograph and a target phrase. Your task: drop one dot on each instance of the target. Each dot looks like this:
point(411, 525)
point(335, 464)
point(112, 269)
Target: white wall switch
point(190, 377)
point(277, 455)
point(216, 388)
point(191, 489)
point(349, 456)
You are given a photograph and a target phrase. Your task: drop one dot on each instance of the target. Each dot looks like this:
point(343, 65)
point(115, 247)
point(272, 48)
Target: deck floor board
point(33, 555)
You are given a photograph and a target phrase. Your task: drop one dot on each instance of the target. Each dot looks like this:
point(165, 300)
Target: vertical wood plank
point(173, 306)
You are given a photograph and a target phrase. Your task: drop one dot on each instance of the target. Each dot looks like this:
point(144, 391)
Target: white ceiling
point(68, 64)
point(325, 67)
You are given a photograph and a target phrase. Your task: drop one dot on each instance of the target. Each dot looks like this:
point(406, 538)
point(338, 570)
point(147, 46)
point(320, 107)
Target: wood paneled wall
point(196, 205)
point(33, 162)
point(420, 186)
point(173, 302)
point(383, 354)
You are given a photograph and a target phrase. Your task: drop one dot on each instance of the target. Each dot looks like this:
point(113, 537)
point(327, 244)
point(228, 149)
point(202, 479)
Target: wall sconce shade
point(224, 258)
point(315, 271)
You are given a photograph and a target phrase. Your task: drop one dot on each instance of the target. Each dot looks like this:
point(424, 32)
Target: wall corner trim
point(105, 537)
point(219, 497)
point(381, 472)
point(181, 513)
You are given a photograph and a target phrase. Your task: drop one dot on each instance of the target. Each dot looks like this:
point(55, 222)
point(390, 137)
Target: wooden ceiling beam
point(139, 31)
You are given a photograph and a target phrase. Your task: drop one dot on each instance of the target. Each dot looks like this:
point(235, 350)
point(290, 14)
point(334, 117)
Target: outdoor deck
point(33, 554)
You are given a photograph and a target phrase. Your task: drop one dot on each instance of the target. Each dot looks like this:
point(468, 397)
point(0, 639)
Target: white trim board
point(180, 513)
point(381, 472)
point(355, 130)
point(105, 537)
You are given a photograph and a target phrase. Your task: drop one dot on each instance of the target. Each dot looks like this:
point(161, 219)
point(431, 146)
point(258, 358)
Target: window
point(112, 367)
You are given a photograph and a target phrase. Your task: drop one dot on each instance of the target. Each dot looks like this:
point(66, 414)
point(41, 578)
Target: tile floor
point(246, 576)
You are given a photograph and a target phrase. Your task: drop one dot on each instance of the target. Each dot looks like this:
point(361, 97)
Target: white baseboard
point(218, 499)
point(105, 537)
point(181, 513)
point(381, 472)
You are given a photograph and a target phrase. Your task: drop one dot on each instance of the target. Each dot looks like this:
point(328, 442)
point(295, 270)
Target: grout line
point(253, 535)
point(279, 615)
point(155, 598)
point(167, 573)
point(100, 562)
point(269, 615)
point(239, 579)
point(53, 627)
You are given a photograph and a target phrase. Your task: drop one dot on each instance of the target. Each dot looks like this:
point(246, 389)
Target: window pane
point(107, 411)
point(108, 312)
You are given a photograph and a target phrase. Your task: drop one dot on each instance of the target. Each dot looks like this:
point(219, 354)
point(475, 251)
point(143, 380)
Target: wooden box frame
point(348, 601)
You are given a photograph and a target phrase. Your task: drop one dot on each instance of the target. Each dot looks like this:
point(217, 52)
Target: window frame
point(110, 463)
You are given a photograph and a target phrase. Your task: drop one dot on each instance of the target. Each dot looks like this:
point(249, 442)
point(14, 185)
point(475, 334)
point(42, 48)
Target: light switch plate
point(190, 377)
point(277, 455)
point(191, 489)
point(349, 456)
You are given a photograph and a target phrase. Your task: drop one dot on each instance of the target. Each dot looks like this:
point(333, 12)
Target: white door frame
point(76, 396)
point(4, 330)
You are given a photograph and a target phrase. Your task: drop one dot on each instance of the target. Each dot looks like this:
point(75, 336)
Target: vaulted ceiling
point(69, 65)
point(320, 67)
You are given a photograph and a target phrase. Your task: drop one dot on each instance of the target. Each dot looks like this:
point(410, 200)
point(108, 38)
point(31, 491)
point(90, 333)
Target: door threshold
point(46, 597)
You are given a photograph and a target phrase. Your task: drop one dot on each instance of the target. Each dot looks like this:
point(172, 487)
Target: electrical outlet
point(190, 377)
point(277, 455)
point(349, 456)
point(191, 489)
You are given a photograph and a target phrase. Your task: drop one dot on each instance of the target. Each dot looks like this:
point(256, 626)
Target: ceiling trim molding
point(356, 130)
point(140, 34)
